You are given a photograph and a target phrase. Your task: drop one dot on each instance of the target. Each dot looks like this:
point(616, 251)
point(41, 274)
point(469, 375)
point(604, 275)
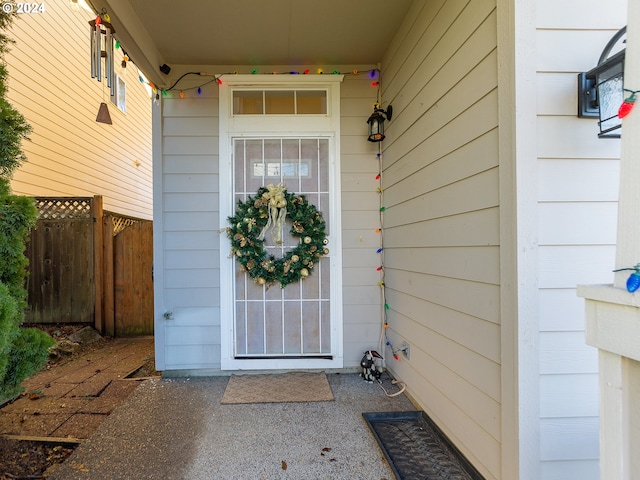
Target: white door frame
point(327, 126)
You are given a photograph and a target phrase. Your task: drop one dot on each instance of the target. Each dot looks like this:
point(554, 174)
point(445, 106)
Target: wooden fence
point(90, 266)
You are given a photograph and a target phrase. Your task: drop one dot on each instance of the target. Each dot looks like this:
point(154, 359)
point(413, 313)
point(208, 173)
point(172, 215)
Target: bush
point(17, 216)
point(9, 322)
point(29, 352)
point(22, 351)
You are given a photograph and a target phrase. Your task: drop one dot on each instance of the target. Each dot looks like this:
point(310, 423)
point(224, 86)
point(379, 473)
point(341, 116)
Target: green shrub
point(13, 126)
point(9, 322)
point(29, 352)
point(22, 351)
point(17, 216)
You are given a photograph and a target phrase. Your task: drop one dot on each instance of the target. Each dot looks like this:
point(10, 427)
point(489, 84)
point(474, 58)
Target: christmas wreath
point(268, 210)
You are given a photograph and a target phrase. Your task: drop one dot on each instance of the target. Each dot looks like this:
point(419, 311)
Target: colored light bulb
point(633, 282)
point(181, 94)
point(627, 106)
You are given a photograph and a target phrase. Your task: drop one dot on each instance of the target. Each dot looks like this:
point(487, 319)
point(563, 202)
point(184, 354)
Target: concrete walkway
point(177, 429)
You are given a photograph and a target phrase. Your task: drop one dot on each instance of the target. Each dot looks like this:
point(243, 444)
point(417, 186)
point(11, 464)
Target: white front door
point(269, 326)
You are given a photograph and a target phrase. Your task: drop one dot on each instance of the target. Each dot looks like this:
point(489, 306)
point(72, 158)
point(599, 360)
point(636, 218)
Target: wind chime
point(101, 35)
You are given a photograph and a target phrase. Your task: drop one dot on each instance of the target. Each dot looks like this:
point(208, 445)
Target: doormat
point(278, 388)
point(417, 449)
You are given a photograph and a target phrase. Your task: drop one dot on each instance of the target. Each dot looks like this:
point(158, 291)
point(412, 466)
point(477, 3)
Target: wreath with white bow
point(268, 211)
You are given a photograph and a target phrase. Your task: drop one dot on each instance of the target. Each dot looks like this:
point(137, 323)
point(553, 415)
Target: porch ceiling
point(254, 32)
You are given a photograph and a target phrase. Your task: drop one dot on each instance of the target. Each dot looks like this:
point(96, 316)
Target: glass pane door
point(293, 321)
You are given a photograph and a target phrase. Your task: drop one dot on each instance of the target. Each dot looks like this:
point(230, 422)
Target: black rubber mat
point(417, 449)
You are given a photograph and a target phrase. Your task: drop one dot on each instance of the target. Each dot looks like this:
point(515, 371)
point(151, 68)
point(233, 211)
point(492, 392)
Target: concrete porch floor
point(177, 429)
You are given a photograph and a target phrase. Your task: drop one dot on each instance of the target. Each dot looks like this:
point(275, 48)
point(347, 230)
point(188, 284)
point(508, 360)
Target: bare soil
point(23, 459)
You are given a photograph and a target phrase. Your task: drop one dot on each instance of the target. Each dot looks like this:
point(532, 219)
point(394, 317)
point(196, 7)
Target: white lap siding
point(188, 227)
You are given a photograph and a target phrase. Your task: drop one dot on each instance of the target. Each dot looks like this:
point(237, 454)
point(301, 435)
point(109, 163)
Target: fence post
point(108, 279)
point(98, 262)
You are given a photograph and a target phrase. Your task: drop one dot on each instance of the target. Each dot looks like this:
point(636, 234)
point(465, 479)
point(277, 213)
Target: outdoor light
point(600, 90)
point(376, 122)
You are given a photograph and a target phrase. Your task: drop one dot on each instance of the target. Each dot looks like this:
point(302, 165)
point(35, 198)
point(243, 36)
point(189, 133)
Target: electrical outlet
point(404, 348)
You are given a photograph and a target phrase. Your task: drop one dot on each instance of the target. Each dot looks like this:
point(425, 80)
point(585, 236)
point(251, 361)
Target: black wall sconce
point(600, 90)
point(376, 122)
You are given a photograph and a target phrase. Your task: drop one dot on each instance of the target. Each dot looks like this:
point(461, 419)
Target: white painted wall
point(187, 224)
point(442, 229)
point(578, 177)
point(70, 154)
point(186, 237)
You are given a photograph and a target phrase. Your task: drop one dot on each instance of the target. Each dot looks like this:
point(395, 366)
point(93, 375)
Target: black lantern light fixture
point(376, 122)
point(600, 90)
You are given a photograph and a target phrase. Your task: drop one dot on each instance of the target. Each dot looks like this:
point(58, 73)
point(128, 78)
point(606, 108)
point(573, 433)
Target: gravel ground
point(177, 429)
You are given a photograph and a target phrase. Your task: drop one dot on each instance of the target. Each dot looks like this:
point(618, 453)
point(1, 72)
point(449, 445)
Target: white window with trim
point(119, 97)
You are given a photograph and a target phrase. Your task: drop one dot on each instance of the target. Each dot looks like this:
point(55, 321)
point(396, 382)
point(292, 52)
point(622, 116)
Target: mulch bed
point(23, 459)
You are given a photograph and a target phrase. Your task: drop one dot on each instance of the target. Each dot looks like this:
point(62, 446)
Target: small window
point(283, 169)
point(311, 101)
point(119, 98)
point(247, 103)
point(280, 102)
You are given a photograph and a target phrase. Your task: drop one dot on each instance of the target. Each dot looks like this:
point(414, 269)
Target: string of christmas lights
point(372, 73)
point(384, 337)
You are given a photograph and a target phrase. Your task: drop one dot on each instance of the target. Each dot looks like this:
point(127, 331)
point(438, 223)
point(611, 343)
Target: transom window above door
point(280, 102)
